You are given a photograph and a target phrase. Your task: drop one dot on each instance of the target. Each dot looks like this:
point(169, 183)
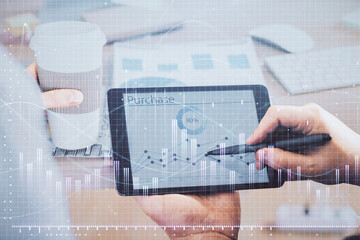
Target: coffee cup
point(68, 55)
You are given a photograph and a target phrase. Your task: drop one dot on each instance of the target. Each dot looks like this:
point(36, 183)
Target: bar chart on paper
point(193, 64)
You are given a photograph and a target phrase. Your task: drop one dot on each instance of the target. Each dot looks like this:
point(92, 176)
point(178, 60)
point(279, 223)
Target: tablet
point(160, 137)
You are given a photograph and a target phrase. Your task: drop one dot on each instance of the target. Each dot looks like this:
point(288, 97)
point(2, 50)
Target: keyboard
point(318, 70)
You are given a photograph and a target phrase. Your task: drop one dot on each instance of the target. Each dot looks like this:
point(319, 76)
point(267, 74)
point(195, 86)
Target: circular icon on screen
point(191, 119)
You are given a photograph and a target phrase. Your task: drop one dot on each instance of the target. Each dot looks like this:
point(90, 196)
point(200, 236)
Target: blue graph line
point(171, 159)
point(241, 158)
point(139, 159)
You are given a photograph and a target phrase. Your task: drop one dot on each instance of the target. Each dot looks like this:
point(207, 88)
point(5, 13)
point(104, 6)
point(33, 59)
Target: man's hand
point(318, 164)
point(195, 210)
point(60, 98)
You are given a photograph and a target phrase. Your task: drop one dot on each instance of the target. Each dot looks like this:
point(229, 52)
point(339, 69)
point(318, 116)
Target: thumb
point(280, 159)
point(62, 98)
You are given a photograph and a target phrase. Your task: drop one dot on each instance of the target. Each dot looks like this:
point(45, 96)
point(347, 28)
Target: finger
point(151, 205)
point(32, 70)
point(260, 161)
point(62, 98)
point(144, 201)
point(287, 116)
point(280, 159)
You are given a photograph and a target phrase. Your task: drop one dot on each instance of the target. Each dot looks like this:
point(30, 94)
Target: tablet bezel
point(121, 153)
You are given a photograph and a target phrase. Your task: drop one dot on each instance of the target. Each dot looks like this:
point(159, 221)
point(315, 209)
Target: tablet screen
point(169, 134)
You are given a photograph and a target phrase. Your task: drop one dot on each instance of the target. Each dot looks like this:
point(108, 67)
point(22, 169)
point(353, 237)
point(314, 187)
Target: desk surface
point(223, 20)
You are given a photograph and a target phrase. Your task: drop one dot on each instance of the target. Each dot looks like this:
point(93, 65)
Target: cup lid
point(67, 34)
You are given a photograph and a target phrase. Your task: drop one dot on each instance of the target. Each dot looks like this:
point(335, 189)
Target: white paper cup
point(69, 55)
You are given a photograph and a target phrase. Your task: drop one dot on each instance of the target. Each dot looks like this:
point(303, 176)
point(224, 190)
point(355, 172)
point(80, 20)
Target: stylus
point(292, 145)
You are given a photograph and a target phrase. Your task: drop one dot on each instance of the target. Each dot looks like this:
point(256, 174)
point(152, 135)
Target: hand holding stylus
point(318, 163)
point(295, 144)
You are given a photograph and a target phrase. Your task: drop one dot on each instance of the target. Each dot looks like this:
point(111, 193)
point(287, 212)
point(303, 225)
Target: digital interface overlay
point(169, 134)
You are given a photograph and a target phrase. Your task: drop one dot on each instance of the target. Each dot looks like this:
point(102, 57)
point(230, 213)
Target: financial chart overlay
point(170, 133)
